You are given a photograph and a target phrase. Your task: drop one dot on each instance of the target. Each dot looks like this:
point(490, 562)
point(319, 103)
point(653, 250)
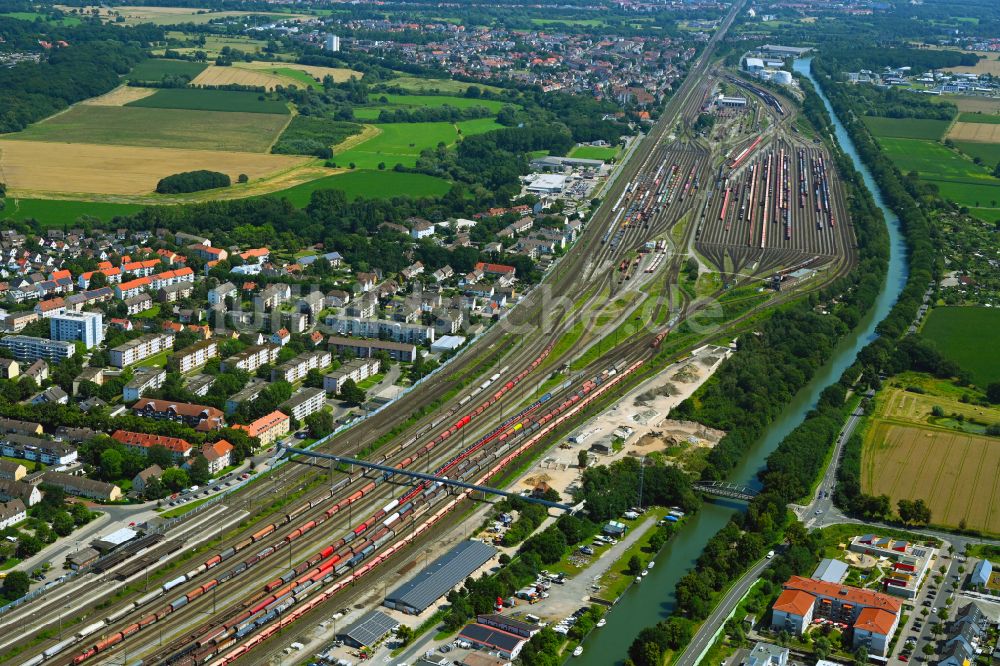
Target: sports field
point(956, 474)
point(88, 169)
point(154, 69)
point(211, 100)
point(165, 128)
point(906, 128)
point(594, 152)
point(370, 184)
point(401, 143)
point(970, 336)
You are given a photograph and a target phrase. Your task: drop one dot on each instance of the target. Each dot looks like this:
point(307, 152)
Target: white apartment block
point(359, 369)
point(195, 356)
point(252, 358)
point(304, 402)
point(383, 329)
point(139, 349)
point(297, 368)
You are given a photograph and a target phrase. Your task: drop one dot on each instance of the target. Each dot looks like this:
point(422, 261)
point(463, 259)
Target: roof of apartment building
point(175, 444)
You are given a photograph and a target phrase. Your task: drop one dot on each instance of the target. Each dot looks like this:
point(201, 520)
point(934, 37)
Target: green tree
point(198, 470)
point(993, 391)
point(154, 489)
point(15, 585)
point(111, 465)
point(29, 545)
point(63, 523)
point(582, 458)
point(320, 423)
point(404, 635)
point(159, 455)
point(175, 479)
point(634, 566)
point(352, 394)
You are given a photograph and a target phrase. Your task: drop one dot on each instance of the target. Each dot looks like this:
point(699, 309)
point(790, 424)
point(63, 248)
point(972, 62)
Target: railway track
point(493, 349)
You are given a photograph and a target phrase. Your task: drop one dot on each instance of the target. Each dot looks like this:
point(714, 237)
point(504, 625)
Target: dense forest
point(96, 56)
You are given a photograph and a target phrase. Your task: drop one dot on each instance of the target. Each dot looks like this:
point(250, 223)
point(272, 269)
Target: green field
point(401, 143)
point(57, 214)
point(959, 179)
point(979, 118)
point(594, 152)
point(444, 86)
point(586, 22)
point(162, 128)
point(989, 153)
point(155, 69)
point(372, 184)
point(196, 99)
point(68, 21)
point(970, 336)
point(435, 101)
point(306, 133)
point(906, 128)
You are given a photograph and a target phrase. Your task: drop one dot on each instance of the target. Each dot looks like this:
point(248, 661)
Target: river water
point(653, 600)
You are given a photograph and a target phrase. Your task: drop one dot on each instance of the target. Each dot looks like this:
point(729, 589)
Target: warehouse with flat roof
point(440, 577)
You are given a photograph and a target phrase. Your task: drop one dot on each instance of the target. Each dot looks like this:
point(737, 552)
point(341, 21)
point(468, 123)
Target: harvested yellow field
point(986, 65)
point(120, 96)
point(90, 169)
point(339, 74)
point(224, 76)
point(955, 473)
point(977, 104)
point(983, 132)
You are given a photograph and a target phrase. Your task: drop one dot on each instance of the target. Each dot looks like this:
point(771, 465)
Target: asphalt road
point(822, 504)
point(706, 634)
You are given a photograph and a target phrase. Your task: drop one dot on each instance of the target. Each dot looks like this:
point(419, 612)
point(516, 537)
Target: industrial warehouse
point(440, 577)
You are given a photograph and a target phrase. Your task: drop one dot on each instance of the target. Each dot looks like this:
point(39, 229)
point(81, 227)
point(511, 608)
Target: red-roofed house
point(132, 288)
point(267, 428)
point(142, 442)
point(874, 629)
point(207, 252)
point(256, 255)
point(872, 616)
point(496, 269)
point(218, 455)
point(113, 274)
point(793, 610)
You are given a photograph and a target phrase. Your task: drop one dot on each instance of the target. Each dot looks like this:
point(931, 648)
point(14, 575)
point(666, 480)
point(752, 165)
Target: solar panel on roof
point(441, 576)
point(371, 628)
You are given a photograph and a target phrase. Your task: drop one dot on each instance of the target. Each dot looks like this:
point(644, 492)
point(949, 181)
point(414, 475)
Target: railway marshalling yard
point(284, 543)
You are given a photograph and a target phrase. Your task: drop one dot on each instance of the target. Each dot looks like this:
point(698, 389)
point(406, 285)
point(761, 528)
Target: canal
point(653, 599)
